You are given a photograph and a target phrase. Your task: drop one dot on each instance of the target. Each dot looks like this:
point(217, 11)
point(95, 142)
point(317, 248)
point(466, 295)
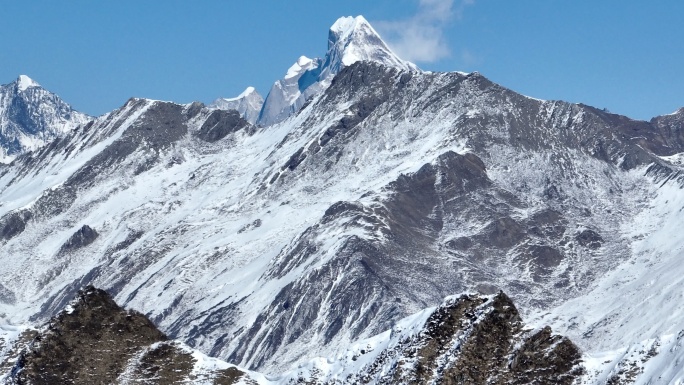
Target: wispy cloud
point(420, 38)
point(468, 58)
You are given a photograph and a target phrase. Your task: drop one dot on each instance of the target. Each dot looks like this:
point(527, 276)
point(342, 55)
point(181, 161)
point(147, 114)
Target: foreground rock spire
point(469, 339)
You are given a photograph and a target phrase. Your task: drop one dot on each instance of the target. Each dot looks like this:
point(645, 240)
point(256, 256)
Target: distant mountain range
point(332, 219)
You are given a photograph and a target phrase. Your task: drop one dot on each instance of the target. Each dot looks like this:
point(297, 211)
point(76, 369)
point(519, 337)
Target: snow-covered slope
point(350, 39)
point(31, 116)
point(248, 104)
point(388, 191)
point(631, 321)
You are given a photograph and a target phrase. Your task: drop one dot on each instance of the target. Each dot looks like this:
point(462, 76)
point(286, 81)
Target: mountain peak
point(30, 119)
point(350, 39)
point(347, 24)
point(353, 39)
point(302, 65)
point(24, 82)
point(246, 93)
point(248, 104)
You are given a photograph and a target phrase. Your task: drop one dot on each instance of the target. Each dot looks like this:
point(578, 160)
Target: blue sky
point(625, 55)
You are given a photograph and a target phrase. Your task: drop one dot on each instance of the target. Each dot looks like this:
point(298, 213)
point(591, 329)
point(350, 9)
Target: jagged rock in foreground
point(469, 339)
point(385, 192)
point(94, 341)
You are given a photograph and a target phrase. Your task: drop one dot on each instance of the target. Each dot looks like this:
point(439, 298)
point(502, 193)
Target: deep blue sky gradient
point(626, 55)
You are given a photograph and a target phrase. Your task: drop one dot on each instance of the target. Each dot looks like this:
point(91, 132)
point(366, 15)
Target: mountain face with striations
point(386, 190)
point(31, 116)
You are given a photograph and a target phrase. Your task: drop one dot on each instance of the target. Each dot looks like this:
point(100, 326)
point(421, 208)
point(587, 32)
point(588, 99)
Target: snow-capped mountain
point(248, 104)
point(289, 94)
point(31, 116)
point(389, 190)
point(350, 39)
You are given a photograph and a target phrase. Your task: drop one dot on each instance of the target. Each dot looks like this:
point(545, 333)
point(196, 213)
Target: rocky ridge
point(389, 190)
point(350, 40)
point(469, 338)
point(94, 341)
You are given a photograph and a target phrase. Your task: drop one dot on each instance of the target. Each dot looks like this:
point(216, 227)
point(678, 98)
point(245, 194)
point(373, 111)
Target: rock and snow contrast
point(468, 339)
point(248, 104)
point(376, 194)
point(31, 116)
point(351, 39)
point(289, 94)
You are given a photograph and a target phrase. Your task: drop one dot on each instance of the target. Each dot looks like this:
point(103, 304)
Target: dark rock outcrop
point(94, 341)
point(6, 295)
point(469, 339)
point(475, 340)
point(14, 223)
point(81, 238)
point(589, 238)
point(219, 124)
point(90, 343)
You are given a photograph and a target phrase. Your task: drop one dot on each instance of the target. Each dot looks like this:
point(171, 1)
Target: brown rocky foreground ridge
point(470, 339)
point(94, 341)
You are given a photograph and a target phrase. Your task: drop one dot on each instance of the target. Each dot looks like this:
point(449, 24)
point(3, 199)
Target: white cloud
point(420, 38)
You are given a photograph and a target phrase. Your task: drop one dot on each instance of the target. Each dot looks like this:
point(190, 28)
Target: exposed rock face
point(221, 123)
point(6, 295)
point(82, 238)
point(589, 238)
point(476, 340)
point(90, 343)
point(31, 117)
point(94, 341)
point(14, 223)
point(469, 339)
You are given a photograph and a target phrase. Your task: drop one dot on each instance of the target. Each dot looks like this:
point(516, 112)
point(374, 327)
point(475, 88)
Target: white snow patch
point(24, 82)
